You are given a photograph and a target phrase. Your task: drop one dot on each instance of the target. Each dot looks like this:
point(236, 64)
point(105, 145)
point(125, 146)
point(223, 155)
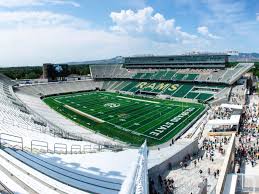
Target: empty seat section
point(191, 95)
point(147, 75)
point(72, 178)
point(178, 76)
point(168, 75)
point(121, 85)
point(147, 89)
point(138, 76)
point(129, 86)
point(158, 75)
point(191, 77)
point(181, 92)
point(171, 89)
point(204, 96)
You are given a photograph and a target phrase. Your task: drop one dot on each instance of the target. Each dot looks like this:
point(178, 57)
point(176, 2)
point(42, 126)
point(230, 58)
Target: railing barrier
point(75, 149)
point(39, 145)
point(5, 141)
point(60, 146)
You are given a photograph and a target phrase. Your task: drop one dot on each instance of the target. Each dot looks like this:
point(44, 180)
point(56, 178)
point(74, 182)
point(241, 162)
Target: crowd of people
point(221, 113)
point(247, 150)
point(237, 95)
point(210, 145)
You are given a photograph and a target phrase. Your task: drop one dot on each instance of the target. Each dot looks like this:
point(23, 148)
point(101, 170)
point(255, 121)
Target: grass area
point(131, 119)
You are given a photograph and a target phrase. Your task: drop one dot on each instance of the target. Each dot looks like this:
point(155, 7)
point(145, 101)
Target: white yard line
point(139, 99)
point(57, 101)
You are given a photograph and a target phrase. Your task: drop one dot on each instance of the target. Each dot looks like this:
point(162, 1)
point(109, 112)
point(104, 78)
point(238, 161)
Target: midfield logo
point(112, 105)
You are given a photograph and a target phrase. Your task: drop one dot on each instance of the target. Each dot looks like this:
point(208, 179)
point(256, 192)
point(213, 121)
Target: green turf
point(128, 118)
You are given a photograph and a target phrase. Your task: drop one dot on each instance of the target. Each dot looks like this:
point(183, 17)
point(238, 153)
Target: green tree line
point(35, 72)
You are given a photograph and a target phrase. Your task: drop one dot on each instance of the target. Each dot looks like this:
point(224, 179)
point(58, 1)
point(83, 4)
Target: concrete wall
point(174, 160)
point(228, 165)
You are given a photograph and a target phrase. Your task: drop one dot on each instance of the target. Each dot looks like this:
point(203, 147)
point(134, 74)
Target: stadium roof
point(179, 55)
point(232, 106)
point(234, 120)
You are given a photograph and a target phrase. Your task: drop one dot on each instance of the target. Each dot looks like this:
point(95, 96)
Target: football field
point(127, 118)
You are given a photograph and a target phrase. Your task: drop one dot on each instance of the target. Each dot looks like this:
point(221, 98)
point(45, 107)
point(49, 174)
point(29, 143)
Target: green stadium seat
point(192, 95)
point(138, 76)
point(158, 75)
point(121, 85)
point(191, 77)
point(168, 75)
point(147, 75)
point(181, 92)
point(204, 96)
point(172, 89)
point(178, 76)
point(129, 86)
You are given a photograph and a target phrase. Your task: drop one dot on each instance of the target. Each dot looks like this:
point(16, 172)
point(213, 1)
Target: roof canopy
point(232, 106)
point(234, 120)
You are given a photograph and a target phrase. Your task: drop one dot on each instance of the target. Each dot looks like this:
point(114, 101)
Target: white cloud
point(36, 37)
point(203, 30)
point(257, 16)
point(35, 46)
point(147, 23)
point(25, 3)
point(38, 19)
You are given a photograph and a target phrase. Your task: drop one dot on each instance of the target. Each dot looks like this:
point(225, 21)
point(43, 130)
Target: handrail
point(9, 140)
point(86, 147)
point(75, 147)
point(60, 146)
point(39, 145)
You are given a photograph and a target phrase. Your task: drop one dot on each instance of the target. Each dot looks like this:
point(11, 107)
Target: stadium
point(129, 127)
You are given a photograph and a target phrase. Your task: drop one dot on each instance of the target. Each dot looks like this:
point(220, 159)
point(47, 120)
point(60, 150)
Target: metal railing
point(60, 147)
point(39, 145)
point(75, 149)
point(8, 140)
point(17, 142)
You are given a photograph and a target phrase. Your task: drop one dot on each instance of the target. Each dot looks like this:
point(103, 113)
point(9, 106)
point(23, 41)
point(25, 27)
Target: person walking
point(195, 163)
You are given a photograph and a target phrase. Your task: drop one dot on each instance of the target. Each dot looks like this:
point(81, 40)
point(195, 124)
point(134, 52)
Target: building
point(178, 61)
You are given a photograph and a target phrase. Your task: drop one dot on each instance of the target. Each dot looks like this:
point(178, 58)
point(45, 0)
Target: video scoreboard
point(55, 72)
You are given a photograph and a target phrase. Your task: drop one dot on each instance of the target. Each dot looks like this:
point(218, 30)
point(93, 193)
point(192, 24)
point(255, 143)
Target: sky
point(33, 32)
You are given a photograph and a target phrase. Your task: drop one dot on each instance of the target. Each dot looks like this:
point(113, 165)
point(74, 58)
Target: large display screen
point(55, 72)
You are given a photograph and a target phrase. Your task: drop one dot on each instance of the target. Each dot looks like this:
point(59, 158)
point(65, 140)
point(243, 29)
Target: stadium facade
point(178, 61)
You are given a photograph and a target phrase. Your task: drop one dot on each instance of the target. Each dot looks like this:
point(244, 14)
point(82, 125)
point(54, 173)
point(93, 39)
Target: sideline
point(84, 114)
